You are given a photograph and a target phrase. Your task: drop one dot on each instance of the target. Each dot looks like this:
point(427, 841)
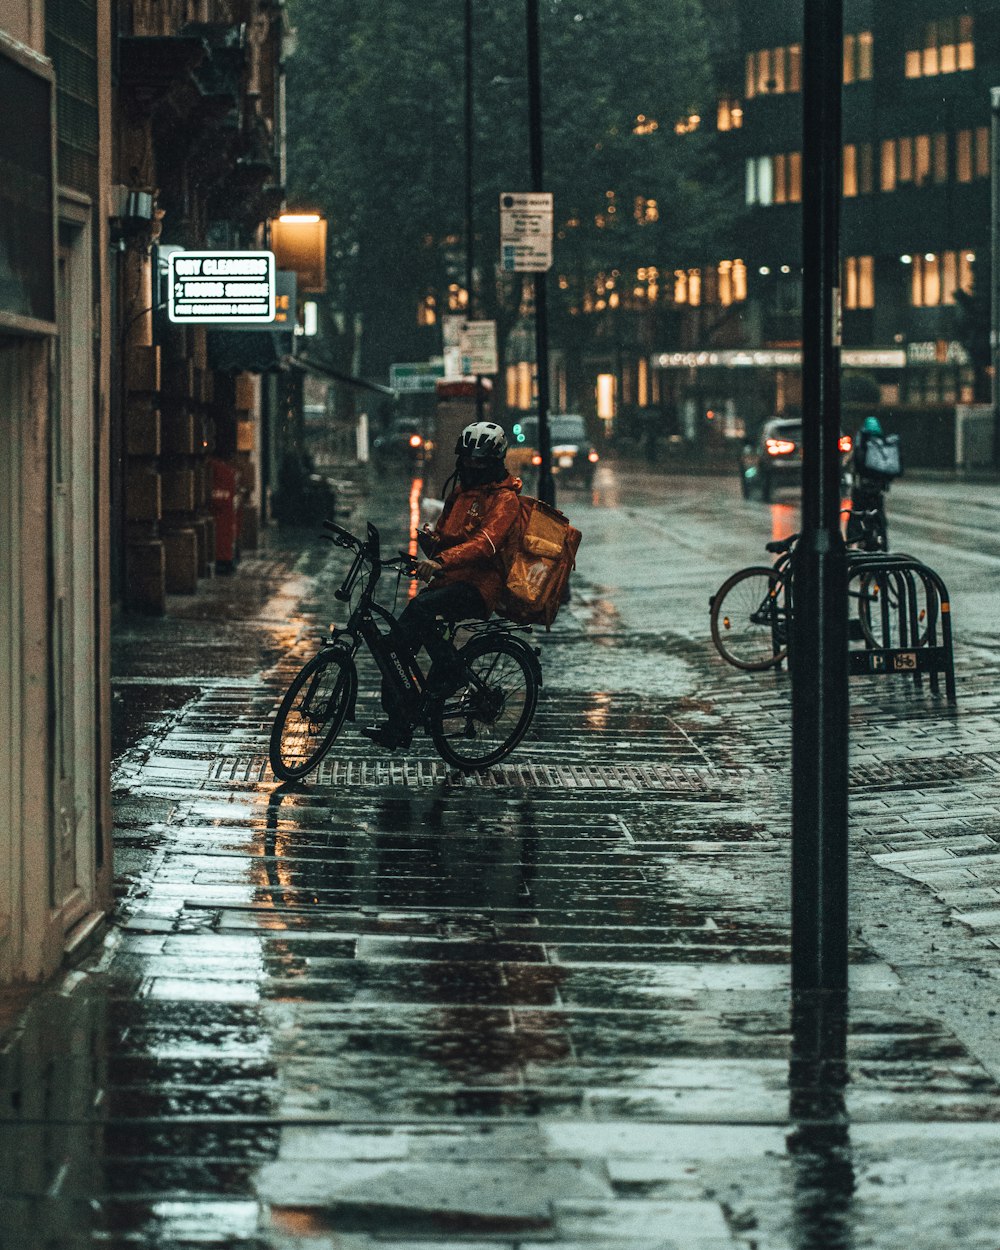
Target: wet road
point(545, 1006)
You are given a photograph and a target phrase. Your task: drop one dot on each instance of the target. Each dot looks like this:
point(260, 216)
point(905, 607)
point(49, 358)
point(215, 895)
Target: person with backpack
point(463, 565)
point(875, 461)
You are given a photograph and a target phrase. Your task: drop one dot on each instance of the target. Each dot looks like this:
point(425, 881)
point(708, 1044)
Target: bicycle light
point(844, 443)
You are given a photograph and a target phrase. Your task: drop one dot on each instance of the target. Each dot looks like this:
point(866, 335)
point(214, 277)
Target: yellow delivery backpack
point(538, 556)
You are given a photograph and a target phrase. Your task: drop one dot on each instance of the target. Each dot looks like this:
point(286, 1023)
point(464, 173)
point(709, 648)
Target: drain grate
point(922, 772)
point(416, 774)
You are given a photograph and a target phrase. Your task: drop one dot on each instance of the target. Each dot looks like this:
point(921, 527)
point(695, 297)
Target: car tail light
point(536, 458)
point(593, 457)
point(779, 446)
point(415, 440)
point(844, 443)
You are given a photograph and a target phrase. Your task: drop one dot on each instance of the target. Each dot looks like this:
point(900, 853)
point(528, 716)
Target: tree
point(375, 123)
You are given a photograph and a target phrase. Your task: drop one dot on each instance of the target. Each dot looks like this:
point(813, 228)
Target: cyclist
point(868, 489)
point(462, 567)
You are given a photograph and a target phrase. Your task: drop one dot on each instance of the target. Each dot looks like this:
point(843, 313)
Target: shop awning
point(324, 370)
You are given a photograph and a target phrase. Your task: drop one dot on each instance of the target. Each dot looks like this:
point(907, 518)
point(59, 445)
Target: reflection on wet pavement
point(548, 1006)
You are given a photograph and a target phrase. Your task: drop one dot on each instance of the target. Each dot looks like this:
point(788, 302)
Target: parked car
point(574, 457)
point(402, 444)
point(774, 460)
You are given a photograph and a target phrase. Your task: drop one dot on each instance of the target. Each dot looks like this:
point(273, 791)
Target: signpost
point(216, 288)
point(419, 378)
point(526, 232)
point(478, 346)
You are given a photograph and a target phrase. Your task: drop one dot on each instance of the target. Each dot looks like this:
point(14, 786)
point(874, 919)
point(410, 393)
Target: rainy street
point(547, 1004)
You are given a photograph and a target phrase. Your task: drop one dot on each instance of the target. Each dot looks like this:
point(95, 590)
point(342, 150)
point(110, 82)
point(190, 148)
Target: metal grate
point(416, 774)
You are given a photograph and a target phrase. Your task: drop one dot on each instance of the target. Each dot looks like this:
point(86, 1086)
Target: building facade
point(915, 225)
point(55, 369)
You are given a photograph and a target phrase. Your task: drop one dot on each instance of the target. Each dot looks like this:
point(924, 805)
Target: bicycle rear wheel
point(879, 609)
point(749, 619)
point(484, 720)
point(312, 713)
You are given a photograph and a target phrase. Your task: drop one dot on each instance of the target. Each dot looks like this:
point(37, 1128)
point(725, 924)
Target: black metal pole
point(470, 239)
point(995, 265)
point(819, 637)
point(546, 485)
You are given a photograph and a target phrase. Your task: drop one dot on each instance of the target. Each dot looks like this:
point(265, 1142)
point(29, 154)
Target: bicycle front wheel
point(749, 619)
point(312, 713)
point(484, 720)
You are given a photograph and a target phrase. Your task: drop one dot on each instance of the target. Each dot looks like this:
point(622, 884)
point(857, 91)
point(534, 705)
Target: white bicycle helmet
point(483, 440)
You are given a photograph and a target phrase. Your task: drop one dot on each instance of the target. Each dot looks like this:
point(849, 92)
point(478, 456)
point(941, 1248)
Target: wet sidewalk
point(544, 1006)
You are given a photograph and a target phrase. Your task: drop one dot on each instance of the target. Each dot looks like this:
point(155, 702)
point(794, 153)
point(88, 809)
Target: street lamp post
point(995, 264)
point(546, 485)
point(470, 242)
point(819, 634)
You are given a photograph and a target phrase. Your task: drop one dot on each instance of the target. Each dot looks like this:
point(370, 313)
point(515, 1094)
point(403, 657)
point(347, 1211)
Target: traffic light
point(518, 433)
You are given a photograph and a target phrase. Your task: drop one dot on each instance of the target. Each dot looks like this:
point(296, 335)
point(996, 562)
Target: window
point(850, 171)
point(780, 180)
point(941, 47)
point(906, 160)
point(858, 170)
point(936, 276)
point(887, 178)
point(751, 181)
point(963, 156)
point(774, 179)
point(795, 177)
point(765, 184)
point(427, 311)
point(858, 57)
point(921, 159)
point(730, 115)
point(773, 71)
point(859, 282)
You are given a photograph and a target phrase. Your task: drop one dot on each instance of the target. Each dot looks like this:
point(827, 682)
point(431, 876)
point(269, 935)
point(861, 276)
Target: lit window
point(780, 190)
point(943, 47)
point(427, 311)
point(642, 382)
point(729, 115)
point(739, 280)
point(751, 181)
point(764, 71)
point(606, 396)
point(778, 71)
point(725, 282)
point(859, 282)
point(921, 159)
point(795, 67)
point(963, 156)
point(850, 172)
point(906, 160)
point(949, 277)
point(966, 260)
point(751, 77)
point(680, 287)
point(866, 58)
point(850, 50)
point(795, 177)
point(966, 46)
point(851, 282)
point(765, 184)
point(888, 166)
point(694, 286)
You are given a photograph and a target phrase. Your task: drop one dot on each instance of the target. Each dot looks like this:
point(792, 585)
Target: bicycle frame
point(389, 649)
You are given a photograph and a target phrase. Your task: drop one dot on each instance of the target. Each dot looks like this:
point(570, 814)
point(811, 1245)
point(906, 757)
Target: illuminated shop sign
point(210, 288)
point(789, 358)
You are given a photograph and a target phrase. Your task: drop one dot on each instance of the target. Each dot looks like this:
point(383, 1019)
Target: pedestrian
point(463, 567)
point(875, 461)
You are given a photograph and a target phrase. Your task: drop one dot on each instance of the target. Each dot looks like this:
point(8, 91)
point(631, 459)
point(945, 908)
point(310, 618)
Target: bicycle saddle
point(781, 544)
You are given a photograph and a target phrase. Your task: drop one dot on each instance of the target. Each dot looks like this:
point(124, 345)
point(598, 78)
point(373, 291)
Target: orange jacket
point(471, 534)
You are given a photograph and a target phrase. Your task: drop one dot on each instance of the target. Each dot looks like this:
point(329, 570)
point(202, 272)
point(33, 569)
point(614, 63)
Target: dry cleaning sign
point(207, 287)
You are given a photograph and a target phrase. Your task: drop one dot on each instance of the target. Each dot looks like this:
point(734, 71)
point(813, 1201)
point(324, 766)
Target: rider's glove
point(427, 569)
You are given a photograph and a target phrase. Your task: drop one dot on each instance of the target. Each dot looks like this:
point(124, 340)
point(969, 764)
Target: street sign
point(479, 348)
point(208, 288)
point(526, 231)
point(415, 379)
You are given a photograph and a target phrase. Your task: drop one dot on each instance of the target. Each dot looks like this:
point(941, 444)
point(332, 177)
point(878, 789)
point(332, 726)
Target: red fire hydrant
point(226, 510)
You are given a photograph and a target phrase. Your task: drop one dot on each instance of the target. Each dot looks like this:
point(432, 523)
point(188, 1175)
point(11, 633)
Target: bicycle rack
point(897, 626)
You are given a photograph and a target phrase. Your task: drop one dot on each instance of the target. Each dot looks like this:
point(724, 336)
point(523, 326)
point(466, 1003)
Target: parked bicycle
point(475, 722)
point(751, 612)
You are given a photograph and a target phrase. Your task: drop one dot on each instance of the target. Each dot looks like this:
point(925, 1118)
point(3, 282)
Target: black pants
point(418, 623)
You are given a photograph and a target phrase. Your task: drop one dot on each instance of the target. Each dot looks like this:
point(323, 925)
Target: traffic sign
point(417, 378)
point(479, 348)
point(525, 231)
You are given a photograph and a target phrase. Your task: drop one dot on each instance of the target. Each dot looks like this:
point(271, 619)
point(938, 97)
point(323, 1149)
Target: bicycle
point(751, 612)
point(475, 721)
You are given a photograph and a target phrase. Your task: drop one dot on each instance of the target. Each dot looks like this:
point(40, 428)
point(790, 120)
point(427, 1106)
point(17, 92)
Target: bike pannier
point(539, 556)
point(881, 456)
